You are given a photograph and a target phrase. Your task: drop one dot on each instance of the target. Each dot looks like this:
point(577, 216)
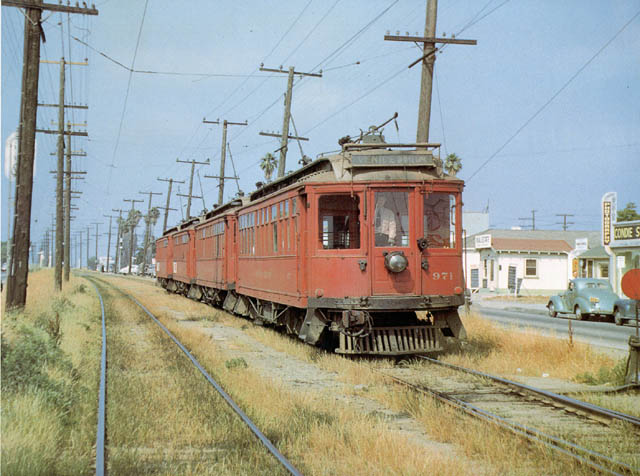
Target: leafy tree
point(628, 213)
point(268, 165)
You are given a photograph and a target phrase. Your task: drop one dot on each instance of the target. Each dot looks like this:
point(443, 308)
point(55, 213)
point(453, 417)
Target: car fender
point(558, 304)
point(585, 307)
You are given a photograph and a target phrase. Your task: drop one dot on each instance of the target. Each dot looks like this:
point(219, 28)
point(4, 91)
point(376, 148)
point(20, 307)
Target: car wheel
point(579, 314)
point(552, 310)
point(617, 318)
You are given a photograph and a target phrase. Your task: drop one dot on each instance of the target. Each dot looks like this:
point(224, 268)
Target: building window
point(604, 270)
point(339, 223)
point(531, 268)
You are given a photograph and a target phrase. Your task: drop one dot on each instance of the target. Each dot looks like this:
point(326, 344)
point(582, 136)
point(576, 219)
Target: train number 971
point(442, 276)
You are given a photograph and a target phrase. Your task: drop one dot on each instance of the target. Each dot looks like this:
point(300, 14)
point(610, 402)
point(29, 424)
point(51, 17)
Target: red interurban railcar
point(358, 252)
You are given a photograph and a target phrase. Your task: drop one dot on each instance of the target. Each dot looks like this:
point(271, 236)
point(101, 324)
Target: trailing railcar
point(359, 252)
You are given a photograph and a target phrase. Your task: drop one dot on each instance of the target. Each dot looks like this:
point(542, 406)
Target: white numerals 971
point(443, 276)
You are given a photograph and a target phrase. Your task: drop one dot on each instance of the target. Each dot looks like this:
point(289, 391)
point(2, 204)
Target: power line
point(556, 94)
point(126, 97)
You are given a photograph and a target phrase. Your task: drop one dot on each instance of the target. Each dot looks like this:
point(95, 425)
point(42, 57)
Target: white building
point(533, 261)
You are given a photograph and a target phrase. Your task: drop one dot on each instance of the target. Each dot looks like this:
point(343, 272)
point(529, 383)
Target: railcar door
point(440, 228)
point(394, 256)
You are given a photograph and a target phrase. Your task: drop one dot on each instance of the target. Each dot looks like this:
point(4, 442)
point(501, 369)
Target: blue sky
point(583, 143)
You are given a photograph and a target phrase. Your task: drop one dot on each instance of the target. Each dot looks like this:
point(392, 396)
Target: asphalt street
point(599, 333)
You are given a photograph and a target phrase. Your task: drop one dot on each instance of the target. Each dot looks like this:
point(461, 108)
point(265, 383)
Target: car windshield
point(597, 286)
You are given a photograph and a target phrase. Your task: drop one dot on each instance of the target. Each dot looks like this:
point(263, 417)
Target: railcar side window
point(392, 218)
point(439, 220)
point(339, 222)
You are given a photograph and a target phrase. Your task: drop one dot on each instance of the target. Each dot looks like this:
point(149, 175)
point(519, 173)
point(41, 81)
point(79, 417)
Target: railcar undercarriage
point(353, 326)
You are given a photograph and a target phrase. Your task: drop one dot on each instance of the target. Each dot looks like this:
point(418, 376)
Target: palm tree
point(452, 164)
point(268, 165)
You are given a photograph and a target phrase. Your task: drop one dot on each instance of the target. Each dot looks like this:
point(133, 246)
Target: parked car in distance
point(584, 297)
point(624, 310)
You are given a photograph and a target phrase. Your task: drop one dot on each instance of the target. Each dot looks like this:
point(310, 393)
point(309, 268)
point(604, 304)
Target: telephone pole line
point(193, 163)
point(133, 207)
point(533, 219)
point(147, 230)
point(166, 208)
point(117, 257)
point(108, 240)
point(223, 154)
point(97, 235)
point(88, 238)
point(565, 224)
point(287, 111)
point(18, 267)
point(428, 63)
point(68, 192)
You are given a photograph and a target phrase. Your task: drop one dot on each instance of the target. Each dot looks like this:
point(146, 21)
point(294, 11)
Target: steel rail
point(585, 406)
point(582, 455)
point(100, 432)
point(254, 429)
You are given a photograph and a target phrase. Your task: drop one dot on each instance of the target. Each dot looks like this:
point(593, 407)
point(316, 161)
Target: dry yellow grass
point(497, 350)
point(327, 448)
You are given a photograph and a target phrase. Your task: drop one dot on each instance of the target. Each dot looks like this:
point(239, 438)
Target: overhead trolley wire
point(555, 95)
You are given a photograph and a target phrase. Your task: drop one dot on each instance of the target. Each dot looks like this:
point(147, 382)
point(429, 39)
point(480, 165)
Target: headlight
point(396, 262)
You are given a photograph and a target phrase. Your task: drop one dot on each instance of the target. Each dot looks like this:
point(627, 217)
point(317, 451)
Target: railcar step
point(392, 341)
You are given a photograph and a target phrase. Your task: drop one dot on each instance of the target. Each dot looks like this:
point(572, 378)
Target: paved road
point(601, 334)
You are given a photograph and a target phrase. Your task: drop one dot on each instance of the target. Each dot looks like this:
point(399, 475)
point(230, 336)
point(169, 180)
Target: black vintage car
point(624, 310)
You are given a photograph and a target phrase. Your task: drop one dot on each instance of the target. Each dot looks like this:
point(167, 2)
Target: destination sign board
point(403, 160)
point(626, 232)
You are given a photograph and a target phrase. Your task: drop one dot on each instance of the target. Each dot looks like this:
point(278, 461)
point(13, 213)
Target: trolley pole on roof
point(287, 112)
point(167, 207)
point(193, 163)
point(428, 60)
point(223, 154)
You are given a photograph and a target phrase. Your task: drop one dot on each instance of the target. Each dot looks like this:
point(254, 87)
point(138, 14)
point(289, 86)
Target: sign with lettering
point(626, 232)
point(483, 241)
point(582, 244)
point(405, 160)
point(606, 223)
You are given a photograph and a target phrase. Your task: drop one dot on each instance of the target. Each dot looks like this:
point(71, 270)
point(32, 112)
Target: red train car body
point(359, 252)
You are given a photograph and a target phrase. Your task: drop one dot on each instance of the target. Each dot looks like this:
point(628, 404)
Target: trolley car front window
point(339, 222)
point(392, 218)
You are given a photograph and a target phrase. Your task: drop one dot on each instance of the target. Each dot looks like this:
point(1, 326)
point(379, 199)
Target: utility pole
point(147, 230)
point(428, 62)
point(88, 236)
point(117, 258)
point(166, 207)
point(133, 207)
point(565, 224)
point(193, 163)
point(533, 219)
point(68, 192)
point(223, 154)
point(18, 266)
point(108, 240)
point(287, 112)
point(97, 235)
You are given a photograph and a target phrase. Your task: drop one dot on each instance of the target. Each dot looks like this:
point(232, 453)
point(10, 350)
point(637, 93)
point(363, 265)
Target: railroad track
point(101, 438)
point(598, 438)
